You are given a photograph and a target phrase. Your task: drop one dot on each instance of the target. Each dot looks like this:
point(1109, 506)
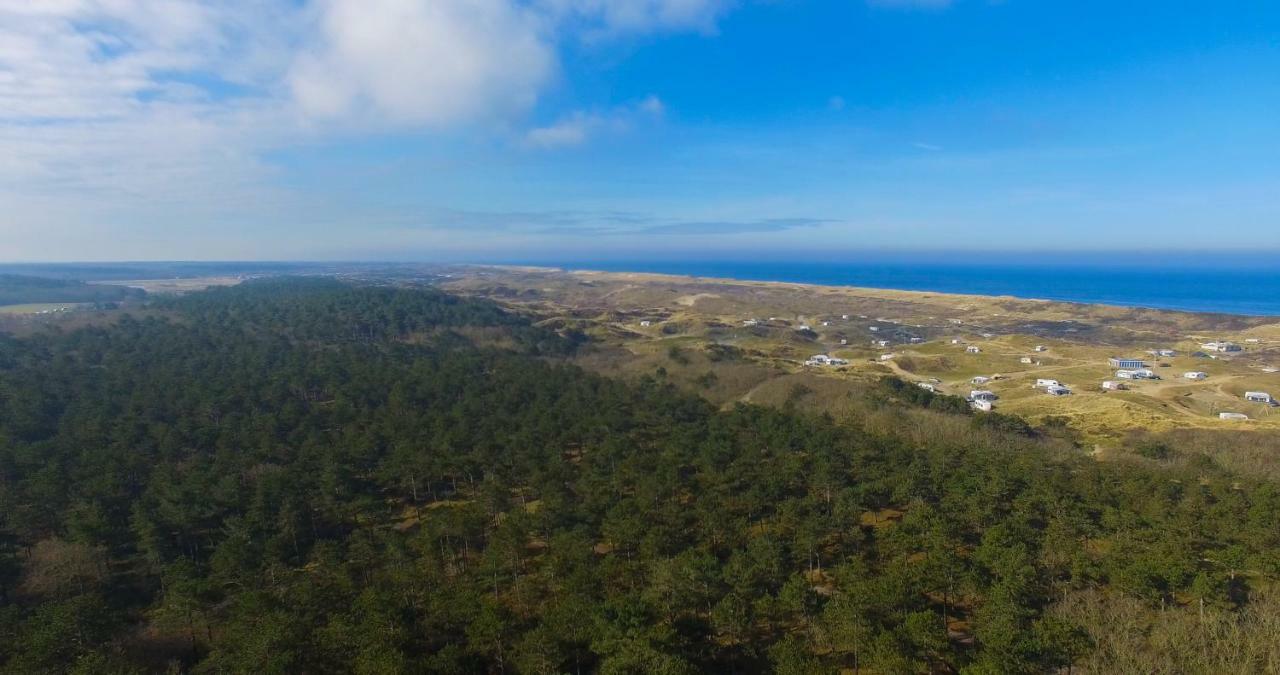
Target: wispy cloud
point(580, 126)
point(605, 223)
point(911, 4)
point(732, 227)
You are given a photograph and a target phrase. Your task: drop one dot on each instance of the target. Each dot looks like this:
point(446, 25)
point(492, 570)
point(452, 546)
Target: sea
point(1243, 284)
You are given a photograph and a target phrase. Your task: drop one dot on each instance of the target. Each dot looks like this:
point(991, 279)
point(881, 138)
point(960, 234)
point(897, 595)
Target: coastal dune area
point(683, 325)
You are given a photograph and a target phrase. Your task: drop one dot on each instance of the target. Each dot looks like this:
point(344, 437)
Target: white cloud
point(423, 63)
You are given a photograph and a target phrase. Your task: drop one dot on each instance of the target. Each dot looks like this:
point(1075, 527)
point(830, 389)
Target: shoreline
point(1041, 303)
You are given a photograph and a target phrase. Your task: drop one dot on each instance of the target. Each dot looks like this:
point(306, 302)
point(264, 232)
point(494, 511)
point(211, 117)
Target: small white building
point(1259, 397)
point(804, 326)
point(1232, 416)
point(956, 341)
point(984, 406)
point(646, 323)
point(1042, 383)
point(1253, 341)
point(926, 386)
point(873, 329)
point(1025, 359)
point(1221, 347)
point(882, 343)
point(1058, 391)
point(1112, 385)
point(916, 340)
point(981, 379)
point(824, 360)
point(750, 322)
point(1041, 348)
point(973, 349)
point(982, 395)
point(844, 341)
point(1196, 375)
point(844, 316)
point(887, 357)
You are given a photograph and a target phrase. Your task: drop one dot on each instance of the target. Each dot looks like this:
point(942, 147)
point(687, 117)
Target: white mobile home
point(1196, 375)
point(1259, 397)
point(1041, 348)
point(984, 406)
point(973, 349)
point(1042, 383)
point(1232, 416)
point(926, 386)
point(1112, 385)
point(1025, 359)
point(982, 395)
point(1058, 391)
point(981, 379)
point(1221, 347)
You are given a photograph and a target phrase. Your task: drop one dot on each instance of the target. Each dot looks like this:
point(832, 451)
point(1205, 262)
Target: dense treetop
point(305, 476)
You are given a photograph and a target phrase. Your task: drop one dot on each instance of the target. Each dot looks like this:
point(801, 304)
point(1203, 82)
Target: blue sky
point(580, 129)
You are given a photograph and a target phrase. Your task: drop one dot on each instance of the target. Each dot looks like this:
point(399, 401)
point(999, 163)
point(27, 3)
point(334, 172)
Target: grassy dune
point(693, 315)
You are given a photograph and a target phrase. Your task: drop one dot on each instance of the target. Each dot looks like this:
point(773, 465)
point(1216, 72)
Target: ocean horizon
point(1245, 286)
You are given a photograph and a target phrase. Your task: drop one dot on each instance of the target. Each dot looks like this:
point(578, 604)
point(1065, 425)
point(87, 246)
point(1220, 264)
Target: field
point(684, 325)
point(40, 308)
point(177, 285)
